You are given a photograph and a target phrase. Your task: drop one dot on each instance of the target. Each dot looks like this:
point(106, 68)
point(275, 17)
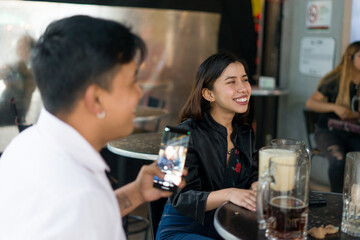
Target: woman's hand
point(318, 103)
point(254, 186)
point(343, 112)
point(243, 197)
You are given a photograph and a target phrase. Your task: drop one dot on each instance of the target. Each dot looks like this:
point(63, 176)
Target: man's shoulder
point(46, 168)
point(39, 184)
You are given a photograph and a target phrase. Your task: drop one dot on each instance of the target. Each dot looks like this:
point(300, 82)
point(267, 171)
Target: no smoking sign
point(313, 13)
point(318, 15)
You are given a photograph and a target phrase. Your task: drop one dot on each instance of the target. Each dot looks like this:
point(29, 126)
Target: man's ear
point(91, 99)
point(208, 94)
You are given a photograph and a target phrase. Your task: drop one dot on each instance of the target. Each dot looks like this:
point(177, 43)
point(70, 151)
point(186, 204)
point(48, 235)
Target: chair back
point(319, 179)
point(156, 209)
point(156, 102)
point(311, 119)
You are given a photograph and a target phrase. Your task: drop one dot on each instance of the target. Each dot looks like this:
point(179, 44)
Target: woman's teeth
point(241, 100)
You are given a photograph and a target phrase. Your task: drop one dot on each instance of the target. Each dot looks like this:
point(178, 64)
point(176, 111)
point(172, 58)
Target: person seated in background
point(333, 99)
point(221, 157)
point(53, 182)
point(19, 83)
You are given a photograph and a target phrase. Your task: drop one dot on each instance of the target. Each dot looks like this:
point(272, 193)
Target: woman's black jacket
point(206, 163)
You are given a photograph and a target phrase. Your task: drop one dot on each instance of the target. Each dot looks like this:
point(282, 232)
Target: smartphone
point(172, 156)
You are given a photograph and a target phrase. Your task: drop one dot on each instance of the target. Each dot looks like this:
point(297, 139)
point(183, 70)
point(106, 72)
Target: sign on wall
point(318, 15)
point(316, 55)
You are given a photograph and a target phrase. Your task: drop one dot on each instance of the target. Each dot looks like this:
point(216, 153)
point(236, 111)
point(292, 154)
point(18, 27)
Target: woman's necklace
point(229, 151)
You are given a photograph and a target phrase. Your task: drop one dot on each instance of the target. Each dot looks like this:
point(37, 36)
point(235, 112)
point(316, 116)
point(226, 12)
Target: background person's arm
point(317, 102)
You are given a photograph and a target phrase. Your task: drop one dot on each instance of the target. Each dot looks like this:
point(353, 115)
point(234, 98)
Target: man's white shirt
point(53, 186)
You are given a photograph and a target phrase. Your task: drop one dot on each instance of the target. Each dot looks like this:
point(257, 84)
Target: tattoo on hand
point(124, 201)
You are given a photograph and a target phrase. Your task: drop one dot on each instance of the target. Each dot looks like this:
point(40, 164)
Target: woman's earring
point(101, 115)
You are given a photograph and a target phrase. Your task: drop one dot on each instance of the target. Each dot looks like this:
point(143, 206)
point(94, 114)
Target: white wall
point(290, 116)
point(355, 21)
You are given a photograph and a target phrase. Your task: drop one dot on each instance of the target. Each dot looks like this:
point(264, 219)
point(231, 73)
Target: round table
point(143, 146)
point(234, 222)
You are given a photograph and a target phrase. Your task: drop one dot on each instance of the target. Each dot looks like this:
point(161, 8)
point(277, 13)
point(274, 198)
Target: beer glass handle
point(263, 193)
point(308, 155)
point(353, 100)
point(308, 152)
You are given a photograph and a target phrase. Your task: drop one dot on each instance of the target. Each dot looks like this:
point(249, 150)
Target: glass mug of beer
point(265, 153)
point(295, 144)
point(287, 189)
point(350, 223)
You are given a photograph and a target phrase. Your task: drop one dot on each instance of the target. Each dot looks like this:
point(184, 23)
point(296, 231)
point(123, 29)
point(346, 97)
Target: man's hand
point(141, 190)
point(144, 183)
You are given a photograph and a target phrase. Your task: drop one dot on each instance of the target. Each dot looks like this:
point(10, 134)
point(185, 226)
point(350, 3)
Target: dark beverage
point(288, 218)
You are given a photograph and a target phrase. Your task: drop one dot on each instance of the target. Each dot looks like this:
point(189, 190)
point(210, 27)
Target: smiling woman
point(221, 158)
point(230, 94)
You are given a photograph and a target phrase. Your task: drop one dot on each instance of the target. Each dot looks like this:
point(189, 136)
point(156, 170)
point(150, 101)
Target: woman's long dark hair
point(209, 71)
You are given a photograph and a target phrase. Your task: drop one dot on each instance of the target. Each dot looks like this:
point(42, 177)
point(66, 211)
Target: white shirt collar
point(71, 141)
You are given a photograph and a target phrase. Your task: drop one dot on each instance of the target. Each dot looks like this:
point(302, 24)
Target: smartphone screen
point(172, 155)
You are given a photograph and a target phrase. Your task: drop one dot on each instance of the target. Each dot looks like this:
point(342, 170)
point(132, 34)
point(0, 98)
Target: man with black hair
point(53, 183)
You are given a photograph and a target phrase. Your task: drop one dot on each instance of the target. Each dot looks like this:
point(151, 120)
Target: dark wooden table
point(234, 222)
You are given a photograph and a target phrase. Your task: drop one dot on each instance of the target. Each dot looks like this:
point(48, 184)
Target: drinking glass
point(265, 153)
point(355, 105)
point(297, 145)
point(286, 185)
point(286, 141)
point(350, 223)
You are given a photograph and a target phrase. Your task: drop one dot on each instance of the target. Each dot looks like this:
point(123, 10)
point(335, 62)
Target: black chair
point(311, 119)
point(319, 163)
point(155, 210)
point(157, 103)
